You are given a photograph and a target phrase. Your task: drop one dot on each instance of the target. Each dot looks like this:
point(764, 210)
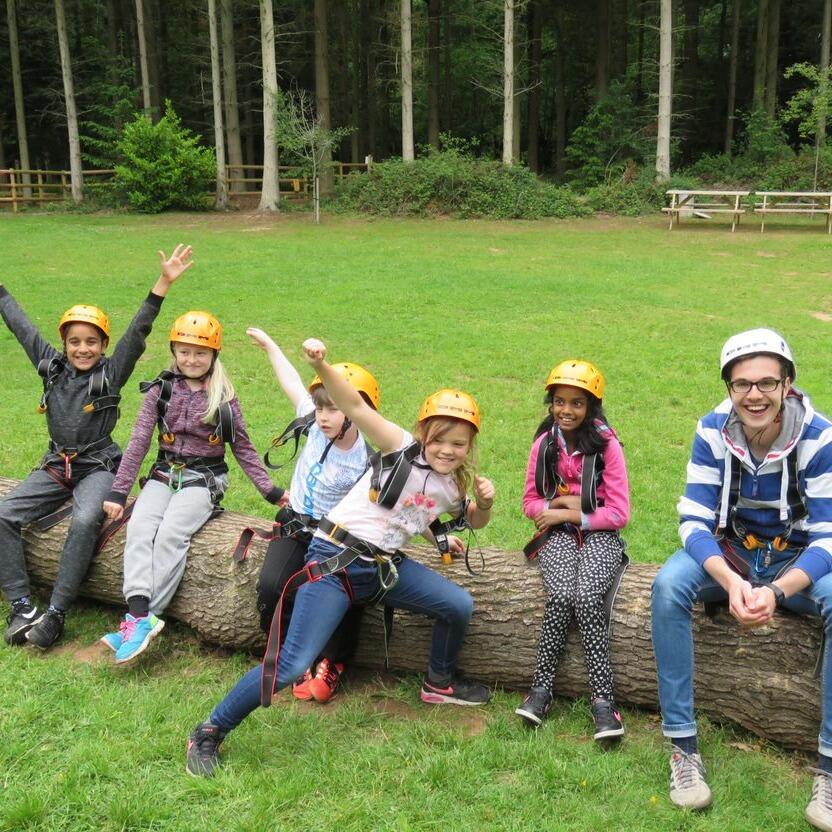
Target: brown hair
point(436, 427)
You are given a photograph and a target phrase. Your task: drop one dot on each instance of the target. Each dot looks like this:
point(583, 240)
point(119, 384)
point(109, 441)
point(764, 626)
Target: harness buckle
point(89, 408)
point(41, 408)
point(374, 494)
point(780, 543)
point(314, 575)
point(168, 438)
point(214, 439)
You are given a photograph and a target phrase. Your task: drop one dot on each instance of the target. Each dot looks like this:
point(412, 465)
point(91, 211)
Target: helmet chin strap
point(344, 428)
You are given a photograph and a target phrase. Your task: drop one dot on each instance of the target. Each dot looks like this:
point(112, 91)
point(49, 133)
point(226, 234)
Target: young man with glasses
point(756, 526)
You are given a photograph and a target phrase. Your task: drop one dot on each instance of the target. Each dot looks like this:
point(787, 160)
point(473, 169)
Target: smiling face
point(447, 443)
point(84, 345)
point(193, 361)
point(757, 410)
point(569, 407)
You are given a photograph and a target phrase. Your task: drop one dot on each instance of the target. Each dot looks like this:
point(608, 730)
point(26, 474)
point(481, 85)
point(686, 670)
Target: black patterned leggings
point(576, 580)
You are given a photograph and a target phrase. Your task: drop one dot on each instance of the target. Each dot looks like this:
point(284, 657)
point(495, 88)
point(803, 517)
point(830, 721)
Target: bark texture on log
point(762, 679)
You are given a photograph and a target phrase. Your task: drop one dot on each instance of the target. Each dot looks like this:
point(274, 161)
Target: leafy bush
point(163, 166)
point(610, 137)
point(451, 182)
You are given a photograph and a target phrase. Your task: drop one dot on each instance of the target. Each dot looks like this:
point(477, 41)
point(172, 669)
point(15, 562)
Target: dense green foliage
point(162, 166)
point(448, 182)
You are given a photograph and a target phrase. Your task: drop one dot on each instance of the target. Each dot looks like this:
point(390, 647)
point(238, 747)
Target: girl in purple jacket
point(194, 406)
point(578, 496)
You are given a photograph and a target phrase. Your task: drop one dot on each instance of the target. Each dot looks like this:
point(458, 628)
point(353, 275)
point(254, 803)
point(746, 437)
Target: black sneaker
point(23, 617)
point(47, 631)
point(454, 691)
point(535, 706)
point(608, 722)
point(204, 750)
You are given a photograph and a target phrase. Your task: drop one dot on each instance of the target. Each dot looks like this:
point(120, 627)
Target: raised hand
point(485, 492)
point(177, 264)
point(314, 351)
point(260, 338)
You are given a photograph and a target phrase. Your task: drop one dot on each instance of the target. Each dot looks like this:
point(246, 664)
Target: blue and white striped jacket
point(762, 507)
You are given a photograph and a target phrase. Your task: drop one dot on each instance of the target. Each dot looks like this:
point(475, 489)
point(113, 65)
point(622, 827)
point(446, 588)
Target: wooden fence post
point(13, 189)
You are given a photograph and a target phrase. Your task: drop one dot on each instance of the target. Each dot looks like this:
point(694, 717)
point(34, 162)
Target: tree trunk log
point(762, 679)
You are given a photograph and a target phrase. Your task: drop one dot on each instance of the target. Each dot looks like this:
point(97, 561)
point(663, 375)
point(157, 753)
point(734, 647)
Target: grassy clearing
point(489, 307)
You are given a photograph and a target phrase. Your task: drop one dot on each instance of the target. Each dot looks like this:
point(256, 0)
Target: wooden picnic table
point(705, 203)
point(795, 202)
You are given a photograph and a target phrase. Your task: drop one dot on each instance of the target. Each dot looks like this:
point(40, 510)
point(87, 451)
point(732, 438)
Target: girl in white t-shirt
point(333, 459)
point(363, 535)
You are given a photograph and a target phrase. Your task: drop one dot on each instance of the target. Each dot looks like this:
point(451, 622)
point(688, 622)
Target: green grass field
point(485, 306)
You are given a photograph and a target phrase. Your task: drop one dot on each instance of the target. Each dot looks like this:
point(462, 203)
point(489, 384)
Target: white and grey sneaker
point(22, 619)
point(688, 786)
point(819, 810)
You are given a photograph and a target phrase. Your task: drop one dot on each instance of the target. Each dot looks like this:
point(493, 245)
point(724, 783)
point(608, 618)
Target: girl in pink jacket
point(577, 494)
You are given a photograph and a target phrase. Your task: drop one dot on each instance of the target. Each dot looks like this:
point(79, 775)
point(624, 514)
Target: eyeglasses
point(764, 385)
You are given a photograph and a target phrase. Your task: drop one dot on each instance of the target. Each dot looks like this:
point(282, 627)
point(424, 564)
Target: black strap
point(590, 476)
point(49, 369)
point(43, 524)
point(224, 431)
point(296, 429)
point(165, 381)
point(546, 476)
point(396, 466)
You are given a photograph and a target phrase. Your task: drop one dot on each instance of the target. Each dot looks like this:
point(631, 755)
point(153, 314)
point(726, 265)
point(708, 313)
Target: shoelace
point(127, 628)
point(687, 772)
point(824, 786)
point(328, 673)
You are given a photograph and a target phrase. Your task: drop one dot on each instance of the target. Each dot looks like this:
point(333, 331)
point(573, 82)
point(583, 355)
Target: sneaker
point(23, 617)
point(535, 706)
point(113, 640)
point(300, 689)
point(325, 683)
point(819, 810)
point(137, 634)
point(204, 750)
point(456, 691)
point(47, 631)
point(608, 724)
point(688, 786)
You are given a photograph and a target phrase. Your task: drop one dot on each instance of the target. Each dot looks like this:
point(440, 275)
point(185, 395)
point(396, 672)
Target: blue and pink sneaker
point(136, 635)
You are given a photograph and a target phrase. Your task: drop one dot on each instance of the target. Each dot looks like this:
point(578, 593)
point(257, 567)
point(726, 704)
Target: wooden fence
point(22, 187)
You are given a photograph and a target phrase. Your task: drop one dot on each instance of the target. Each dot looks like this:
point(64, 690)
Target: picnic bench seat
point(795, 202)
point(704, 203)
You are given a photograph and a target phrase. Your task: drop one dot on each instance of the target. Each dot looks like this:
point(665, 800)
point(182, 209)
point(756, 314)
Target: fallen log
point(762, 679)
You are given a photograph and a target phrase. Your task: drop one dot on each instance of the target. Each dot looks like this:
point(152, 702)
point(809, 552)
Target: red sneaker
point(300, 689)
point(325, 683)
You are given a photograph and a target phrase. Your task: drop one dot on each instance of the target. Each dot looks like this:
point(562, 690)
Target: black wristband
point(779, 595)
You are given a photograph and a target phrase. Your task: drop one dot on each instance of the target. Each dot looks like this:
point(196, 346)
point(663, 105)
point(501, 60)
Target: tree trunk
point(141, 34)
point(560, 95)
point(368, 69)
point(826, 33)
point(447, 70)
point(270, 195)
point(407, 84)
point(690, 66)
point(535, 34)
point(735, 668)
point(434, 70)
point(76, 175)
point(640, 57)
point(602, 48)
point(508, 82)
point(665, 91)
point(760, 56)
point(772, 57)
point(216, 90)
point(322, 103)
point(19, 100)
point(732, 78)
point(232, 110)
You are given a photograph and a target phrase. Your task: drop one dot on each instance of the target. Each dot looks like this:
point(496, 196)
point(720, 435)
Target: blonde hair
point(436, 427)
point(219, 390)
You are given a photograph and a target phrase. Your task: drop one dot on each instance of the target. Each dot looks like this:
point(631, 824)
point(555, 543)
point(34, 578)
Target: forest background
point(606, 97)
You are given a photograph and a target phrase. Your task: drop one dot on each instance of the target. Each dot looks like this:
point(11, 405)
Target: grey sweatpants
point(159, 536)
point(38, 495)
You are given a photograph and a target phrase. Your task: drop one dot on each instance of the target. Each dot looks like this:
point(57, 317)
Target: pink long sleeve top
point(613, 491)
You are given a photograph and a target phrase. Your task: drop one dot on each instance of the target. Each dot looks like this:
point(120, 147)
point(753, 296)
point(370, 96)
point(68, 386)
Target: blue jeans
point(320, 606)
point(681, 582)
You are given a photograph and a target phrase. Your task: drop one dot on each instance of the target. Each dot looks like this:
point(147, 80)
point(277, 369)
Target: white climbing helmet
point(754, 341)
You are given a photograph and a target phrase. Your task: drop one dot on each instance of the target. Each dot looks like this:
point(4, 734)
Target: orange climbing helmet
point(85, 313)
point(577, 373)
point(199, 328)
point(454, 404)
point(359, 378)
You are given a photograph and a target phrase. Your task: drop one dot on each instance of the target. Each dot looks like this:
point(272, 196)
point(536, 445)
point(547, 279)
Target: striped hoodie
point(762, 508)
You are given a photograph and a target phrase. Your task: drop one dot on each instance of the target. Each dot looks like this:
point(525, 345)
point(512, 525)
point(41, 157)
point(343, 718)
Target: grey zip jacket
point(70, 427)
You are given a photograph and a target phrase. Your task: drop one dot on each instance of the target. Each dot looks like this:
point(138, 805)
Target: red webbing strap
point(738, 563)
point(111, 529)
point(247, 535)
